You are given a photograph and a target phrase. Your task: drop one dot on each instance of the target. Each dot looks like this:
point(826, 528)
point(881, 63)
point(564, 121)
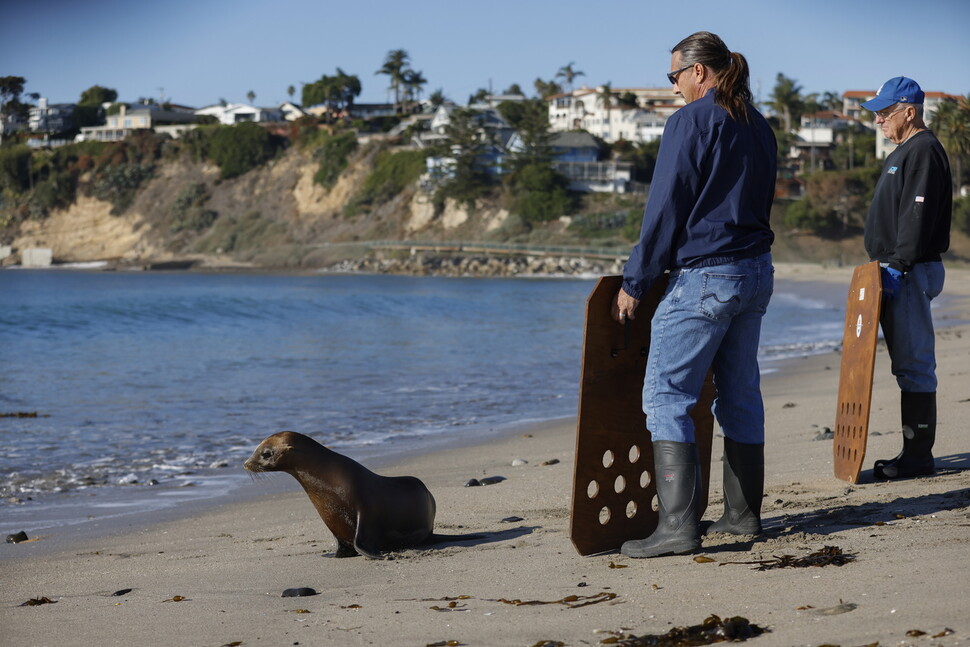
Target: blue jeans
point(907, 326)
point(709, 318)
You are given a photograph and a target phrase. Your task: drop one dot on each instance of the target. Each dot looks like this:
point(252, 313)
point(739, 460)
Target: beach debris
point(825, 434)
point(451, 606)
point(16, 538)
point(352, 606)
point(34, 602)
point(176, 598)
point(837, 610)
point(703, 559)
point(22, 414)
point(826, 556)
point(570, 601)
point(512, 519)
point(488, 480)
point(234, 643)
point(789, 405)
point(119, 593)
point(551, 461)
point(615, 565)
point(549, 643)
point(712, 630)
point(298, 592)
point(446, 643)
point(519, 462)
point(300, 611)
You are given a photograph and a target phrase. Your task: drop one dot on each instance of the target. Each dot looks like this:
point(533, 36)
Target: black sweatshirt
point(909, 219)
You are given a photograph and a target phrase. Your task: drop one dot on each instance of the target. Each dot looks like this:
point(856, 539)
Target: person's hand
point(890, 282)
point(623, 307)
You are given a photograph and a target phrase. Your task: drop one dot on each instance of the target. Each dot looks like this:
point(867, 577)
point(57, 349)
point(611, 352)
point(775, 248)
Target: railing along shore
point(469, 247)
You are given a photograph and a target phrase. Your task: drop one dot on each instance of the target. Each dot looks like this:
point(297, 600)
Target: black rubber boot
point(678, 476)
point(918, 413)
point(744, 487)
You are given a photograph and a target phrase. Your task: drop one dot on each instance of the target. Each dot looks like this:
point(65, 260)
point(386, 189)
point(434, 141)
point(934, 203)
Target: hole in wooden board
point(619, 484)
point(604, 516)
point(608, 458)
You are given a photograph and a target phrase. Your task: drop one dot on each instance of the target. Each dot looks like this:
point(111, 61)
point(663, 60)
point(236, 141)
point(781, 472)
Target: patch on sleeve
point(919, 198)
point(892, 170)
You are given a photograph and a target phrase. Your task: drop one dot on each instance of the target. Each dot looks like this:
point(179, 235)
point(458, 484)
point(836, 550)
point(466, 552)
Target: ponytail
point(730, 69)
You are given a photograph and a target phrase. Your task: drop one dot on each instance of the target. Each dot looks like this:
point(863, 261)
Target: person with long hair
point(706, 224)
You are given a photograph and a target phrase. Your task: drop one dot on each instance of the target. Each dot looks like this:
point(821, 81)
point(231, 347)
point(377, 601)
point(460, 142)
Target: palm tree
point(786, 99)
point(567, 74)
point(832, 101)
point(395, 65)
point(951, 123)
point(437, 98)
point(251, 96)
point(291, 91)
point(413, 80)
point(605, 98)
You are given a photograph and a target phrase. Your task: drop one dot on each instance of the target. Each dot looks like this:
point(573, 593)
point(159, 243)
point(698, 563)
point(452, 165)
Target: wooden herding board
point(613, 486)
point(859, 338)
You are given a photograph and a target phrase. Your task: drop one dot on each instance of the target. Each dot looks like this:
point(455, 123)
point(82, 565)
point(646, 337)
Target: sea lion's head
point(274, 454)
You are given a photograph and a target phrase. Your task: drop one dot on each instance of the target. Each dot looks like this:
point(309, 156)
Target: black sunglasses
point(672, 76)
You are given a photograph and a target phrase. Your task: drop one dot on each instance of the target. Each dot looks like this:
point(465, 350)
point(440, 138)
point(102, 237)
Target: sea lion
point(366, 512)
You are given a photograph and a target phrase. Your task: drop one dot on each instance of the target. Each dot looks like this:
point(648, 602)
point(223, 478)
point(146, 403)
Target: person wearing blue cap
point(907, 230)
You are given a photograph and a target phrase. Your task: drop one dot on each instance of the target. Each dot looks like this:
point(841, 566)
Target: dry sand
point(216, 578)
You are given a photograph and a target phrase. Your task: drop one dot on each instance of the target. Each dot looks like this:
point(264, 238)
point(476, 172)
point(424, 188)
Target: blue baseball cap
point(898, 89)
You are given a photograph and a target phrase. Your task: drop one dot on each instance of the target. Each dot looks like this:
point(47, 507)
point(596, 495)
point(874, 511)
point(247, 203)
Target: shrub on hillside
point(332, 156)
point(118, 184)
point(56, 191)
point(241, 148)
point(393, 172)
point(539, 193)
point(248, 232)
point(834, 201)
point(189, 209)
point(15, 169)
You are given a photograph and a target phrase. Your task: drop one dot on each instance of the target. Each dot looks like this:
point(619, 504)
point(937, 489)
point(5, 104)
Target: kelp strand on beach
point(712, 630)
point(826, 556)
point(33, 602)
point(570, 601)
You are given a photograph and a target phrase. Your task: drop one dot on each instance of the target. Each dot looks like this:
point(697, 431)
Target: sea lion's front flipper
point(345, 549)
point(366, 541)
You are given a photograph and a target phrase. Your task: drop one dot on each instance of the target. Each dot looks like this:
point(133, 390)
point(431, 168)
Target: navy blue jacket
point(710, 198)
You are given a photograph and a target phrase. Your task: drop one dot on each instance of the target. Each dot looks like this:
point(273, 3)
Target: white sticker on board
point(862, 294)
point(858, 326)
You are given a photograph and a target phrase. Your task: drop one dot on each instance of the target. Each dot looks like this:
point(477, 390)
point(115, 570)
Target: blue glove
point(890, 282)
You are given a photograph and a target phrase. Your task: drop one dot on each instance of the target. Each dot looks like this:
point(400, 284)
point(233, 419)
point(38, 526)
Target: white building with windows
point(587, 109)
point(173, 120)
point(236, 113)
point(51, 117)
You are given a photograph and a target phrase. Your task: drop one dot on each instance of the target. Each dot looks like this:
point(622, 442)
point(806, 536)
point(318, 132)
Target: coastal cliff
point(276, 216)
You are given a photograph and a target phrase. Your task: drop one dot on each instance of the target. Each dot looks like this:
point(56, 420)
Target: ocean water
point(152, 388)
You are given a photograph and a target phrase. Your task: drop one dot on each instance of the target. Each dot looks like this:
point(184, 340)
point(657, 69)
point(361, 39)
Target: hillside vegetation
point(245, 196)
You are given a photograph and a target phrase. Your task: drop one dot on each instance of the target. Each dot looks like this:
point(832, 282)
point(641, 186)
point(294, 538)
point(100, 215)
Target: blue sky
point(198, 52)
